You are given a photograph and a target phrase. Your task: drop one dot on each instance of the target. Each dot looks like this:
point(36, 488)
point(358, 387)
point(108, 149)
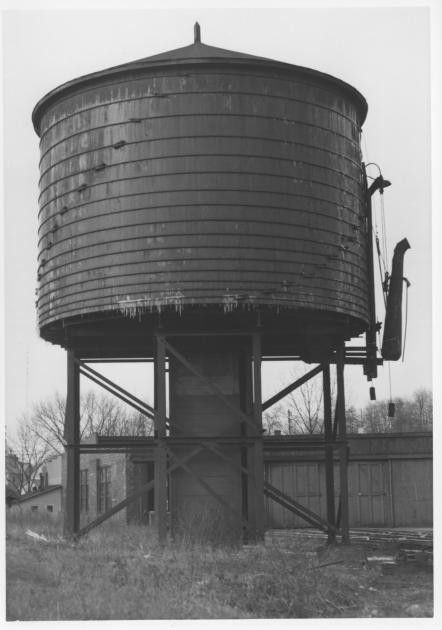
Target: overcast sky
point(383, 52)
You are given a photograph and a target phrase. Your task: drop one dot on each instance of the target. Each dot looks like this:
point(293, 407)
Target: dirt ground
point(396, 586)
point(403, 589)
point(122, 573)
point(406, 589)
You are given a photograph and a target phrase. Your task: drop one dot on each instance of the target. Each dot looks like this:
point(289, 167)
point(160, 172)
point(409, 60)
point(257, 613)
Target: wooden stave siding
point(332, 215)
point(196, 411)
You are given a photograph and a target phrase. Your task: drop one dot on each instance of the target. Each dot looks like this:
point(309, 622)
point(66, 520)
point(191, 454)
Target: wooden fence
point(390, 480)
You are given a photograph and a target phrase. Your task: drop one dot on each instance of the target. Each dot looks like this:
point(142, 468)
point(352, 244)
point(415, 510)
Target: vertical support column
point(160, 430)
point(258, 455)
point(246, 405)
point(328, 434)
point(370, 368)
point(391, 489)
point(71, 523)
point(343, 451)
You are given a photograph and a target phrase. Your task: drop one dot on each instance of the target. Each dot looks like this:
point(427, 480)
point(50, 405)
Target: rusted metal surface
point(71, 523)
point(392, 340)
point(202, 178)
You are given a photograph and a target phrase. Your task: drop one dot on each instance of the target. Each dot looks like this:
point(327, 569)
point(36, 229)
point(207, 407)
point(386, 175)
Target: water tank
point(208, 188)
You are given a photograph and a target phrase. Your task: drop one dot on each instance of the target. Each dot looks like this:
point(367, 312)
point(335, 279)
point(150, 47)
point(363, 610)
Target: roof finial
point(196, 34)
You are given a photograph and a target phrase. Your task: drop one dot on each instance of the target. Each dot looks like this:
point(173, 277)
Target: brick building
point(390, 480)
point(44, 501)
point(13, 472)
point(105, 480)
point(108, 478)
point(46, 498)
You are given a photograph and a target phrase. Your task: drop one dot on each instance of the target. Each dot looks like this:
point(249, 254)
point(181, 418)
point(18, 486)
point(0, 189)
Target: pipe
point(392, 340)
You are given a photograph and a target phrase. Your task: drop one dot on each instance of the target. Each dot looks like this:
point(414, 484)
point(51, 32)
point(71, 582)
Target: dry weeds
point(121, 573)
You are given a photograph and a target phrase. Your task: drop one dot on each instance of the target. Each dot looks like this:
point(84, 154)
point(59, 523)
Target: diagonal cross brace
point(114, 389)
point(290, 388)
point(307, 514)
point(138, 408)
point(138, 493)
point(88, 371)
point(211, 386)
point(291, 508)
point(210, 490)
point(213, 447)
point(229, 460)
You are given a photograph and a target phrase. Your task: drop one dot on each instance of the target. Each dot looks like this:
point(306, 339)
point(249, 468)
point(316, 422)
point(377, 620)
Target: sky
point(384, 52)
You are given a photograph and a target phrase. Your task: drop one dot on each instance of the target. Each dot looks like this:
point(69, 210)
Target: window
point(104, 489)
point(43, 481)
point(34, 508)
point(50, 508)
point(84, 491)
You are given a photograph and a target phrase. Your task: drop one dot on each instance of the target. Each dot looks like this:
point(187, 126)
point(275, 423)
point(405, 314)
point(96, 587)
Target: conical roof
point(195, 54)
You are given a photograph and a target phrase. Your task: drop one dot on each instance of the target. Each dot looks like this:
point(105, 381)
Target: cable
point(373, 164)
point(383, 277)
point(382, 255)
point(375, 234)
point(389, 381)
point(382, 252)
point(384, 228)
point(365, 147)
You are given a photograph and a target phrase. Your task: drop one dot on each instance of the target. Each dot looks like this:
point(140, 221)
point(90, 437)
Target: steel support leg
point(247, 484)
point(258, 456)
point(328, 434)
point(160, 430)
point(71, 523)
point(343, 454)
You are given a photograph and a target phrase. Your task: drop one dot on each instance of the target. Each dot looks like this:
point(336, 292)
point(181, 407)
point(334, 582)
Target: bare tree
point(99, 413)
point(353, 419)
point(31, 453)
point(273, 419)
point(305, 406)
point(410, 414)
point(302, 411)
point(105, 415)
point(374, 417)
point(47, 419)
point(41, 434)
point(423, 408)
point(12, 470)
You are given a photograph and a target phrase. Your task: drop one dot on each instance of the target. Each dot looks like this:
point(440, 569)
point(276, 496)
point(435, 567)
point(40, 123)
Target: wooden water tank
point(205, 185)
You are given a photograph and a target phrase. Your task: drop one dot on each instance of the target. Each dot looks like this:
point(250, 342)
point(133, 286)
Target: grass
point(120, 572)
